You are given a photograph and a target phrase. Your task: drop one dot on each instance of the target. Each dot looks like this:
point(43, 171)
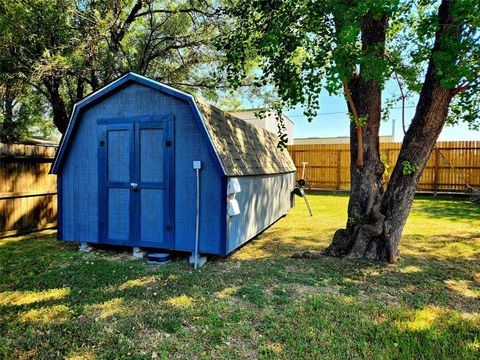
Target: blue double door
point(136, 168)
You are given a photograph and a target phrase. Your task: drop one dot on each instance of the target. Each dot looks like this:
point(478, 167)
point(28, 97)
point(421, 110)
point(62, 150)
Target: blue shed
point(126, 172)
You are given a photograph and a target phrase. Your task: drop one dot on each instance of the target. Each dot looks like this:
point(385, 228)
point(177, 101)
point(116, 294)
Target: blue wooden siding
point(190, 146)
point(262, 200)
point(81, 169)
point(79, 184)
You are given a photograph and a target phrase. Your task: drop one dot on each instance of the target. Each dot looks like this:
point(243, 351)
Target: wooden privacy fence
point(28, 197)
point(329, 165)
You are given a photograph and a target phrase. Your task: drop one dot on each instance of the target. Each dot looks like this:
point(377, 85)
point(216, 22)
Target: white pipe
point(197, 219)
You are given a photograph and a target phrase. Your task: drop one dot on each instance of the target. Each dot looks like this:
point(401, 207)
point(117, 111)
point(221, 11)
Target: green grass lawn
point(56, 302)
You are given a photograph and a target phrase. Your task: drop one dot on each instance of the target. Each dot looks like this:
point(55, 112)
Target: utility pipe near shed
point(196, 258)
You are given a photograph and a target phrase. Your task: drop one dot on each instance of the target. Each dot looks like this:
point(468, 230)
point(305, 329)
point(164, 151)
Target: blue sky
point(337, 124)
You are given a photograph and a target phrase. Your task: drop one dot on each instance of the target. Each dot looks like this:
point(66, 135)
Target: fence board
point(28, 198)
point(329, 165)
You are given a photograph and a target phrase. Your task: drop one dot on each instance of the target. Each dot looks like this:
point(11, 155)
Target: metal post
point(197, 219)
point(307, 203)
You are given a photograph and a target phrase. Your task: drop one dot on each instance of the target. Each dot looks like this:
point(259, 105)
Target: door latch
point(134, 186)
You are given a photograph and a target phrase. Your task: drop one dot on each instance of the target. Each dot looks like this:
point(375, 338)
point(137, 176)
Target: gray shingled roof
point(243, 148)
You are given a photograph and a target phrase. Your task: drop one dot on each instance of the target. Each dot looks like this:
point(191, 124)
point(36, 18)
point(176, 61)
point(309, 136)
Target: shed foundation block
point(138, 253)
point(85, 247)
point(200, 260)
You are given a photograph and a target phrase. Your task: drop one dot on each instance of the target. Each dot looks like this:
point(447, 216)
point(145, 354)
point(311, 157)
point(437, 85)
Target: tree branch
point(181, 11)
point(117, 36)
point(403, 101)
point(360, 162)
point(460, 88)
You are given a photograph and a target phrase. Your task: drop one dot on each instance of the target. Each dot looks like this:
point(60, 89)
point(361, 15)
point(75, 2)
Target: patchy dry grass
point(56, 302)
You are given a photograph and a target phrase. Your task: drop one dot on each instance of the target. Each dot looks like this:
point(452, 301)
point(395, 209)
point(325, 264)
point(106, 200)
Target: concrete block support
point(138, 253)
point(85, 247)
point(201, 260)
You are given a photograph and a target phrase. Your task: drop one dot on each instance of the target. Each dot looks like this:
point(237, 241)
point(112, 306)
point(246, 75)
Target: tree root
point(366, 243)
point(366, 240)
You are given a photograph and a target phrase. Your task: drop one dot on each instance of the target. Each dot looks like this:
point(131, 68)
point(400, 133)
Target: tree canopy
point(59, 51)
point(304, 46)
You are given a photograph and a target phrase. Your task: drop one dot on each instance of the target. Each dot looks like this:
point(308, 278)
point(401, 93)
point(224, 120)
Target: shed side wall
point(262, 201)
point(80, 170)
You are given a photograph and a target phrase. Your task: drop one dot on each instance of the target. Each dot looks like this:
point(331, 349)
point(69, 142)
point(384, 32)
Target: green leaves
point(77, 47)
point(361, 121)
point(302, 47)
point(409, 168)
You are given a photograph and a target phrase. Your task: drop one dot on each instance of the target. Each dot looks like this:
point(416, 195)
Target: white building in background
point(334, 140)
point(268, 123)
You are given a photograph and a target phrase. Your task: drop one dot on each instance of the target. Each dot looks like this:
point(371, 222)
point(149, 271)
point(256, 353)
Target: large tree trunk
point(8, 133)
point(366, 182)
point(420, 139)
point(59, 109)
point(378, 220)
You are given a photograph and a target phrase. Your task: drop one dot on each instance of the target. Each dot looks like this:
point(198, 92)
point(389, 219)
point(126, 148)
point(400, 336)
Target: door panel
point(151, 215)
point(118, 155)
point(116, 205)
point(118, 214)
point(151, 155)
point(153, 173)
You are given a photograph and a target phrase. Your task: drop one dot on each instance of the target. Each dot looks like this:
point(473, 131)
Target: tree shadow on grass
point(375, 331)
point(447, 208)
point(452, 247)
point(110, 306)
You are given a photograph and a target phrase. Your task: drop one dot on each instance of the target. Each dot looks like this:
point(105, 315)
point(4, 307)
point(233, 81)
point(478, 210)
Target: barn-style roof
point(242, 149)
point(245, 149)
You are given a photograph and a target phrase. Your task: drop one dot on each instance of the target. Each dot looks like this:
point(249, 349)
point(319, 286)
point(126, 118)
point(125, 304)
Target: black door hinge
point(169, 227)
point(168, 143)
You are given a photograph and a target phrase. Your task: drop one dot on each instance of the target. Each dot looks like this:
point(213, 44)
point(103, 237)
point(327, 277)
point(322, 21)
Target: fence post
point(339, 160)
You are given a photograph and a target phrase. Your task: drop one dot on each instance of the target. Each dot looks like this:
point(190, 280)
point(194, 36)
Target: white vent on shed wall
point(233, 186)
point(233, 208)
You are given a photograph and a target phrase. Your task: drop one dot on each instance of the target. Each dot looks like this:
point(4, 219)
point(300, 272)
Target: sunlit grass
point(410, 269)
point(422, 319)
point(56, 302)
point(464, 288)
point(474, 345)
point(137, 282)
point(113, 307)
point(83, 356)
point(181, 302)
point(48, 315)
point(30, 297)
point(228, 291)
